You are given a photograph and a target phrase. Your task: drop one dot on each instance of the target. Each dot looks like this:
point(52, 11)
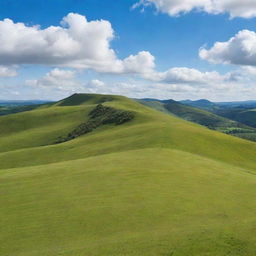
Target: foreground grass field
point(157, 185)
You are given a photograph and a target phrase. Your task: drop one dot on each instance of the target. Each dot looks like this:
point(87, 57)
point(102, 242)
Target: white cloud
point(239, 50)
point(141, 63)
point(7, 71)
point(77, 43)
point(95, 83)
point(235, 8)
point(176, 83)
point(178, 79)
point(163, 90)
point(180, 76)
point(58, 79)
point(249, 70)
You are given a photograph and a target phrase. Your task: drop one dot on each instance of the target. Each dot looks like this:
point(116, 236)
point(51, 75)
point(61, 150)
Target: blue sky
point(173, 38)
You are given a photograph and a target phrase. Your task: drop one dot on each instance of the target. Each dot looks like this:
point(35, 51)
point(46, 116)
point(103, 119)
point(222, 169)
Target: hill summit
point(82, 98)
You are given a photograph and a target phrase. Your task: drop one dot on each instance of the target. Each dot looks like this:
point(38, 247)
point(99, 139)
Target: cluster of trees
point(99, 116)
point(107, 115)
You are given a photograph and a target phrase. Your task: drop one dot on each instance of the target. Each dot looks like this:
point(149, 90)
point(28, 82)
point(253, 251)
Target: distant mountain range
point(206, 104)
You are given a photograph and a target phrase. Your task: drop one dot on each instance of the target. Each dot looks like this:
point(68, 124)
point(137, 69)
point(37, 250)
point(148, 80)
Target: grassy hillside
point(200, 116)
point(156, 185)
point(246, 116)
point(243, 112)
point(242, 115)
point(203, 117)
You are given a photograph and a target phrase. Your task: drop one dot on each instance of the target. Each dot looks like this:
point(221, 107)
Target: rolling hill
point(243, 115)
point(240, 111)
point(153, 185)
point(203, 117)
point(212, 106)
point(202, 104)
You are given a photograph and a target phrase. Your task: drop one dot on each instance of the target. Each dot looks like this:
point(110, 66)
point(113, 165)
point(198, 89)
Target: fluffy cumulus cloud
point(239, 50)
point(235, 8)
point(77, 43)
point(183, 75)
point(143, 63)
point(60, 79)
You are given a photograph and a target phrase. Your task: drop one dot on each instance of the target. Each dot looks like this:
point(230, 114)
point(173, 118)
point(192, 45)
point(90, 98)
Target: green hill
point(242, 111)
point(242, 115)
point(216, 106)
point(202, 104)
point(154, 185)
point(246, 116)
point(205, 118)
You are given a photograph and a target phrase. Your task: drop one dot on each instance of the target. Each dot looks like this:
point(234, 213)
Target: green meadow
point(156, 185)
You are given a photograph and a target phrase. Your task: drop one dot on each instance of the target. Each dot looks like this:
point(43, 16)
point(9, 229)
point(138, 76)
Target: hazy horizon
point(185, 99)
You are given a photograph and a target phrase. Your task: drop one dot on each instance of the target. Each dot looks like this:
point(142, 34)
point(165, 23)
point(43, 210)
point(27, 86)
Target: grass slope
point(157, 185)
point(246, 116)
point(243, 115)
point(205, 118)
point(243, 112)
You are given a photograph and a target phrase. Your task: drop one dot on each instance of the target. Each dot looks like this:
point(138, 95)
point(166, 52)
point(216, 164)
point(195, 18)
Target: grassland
point(156, 185)
point(246, 116)
point(205, 118)
point(243, 112)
